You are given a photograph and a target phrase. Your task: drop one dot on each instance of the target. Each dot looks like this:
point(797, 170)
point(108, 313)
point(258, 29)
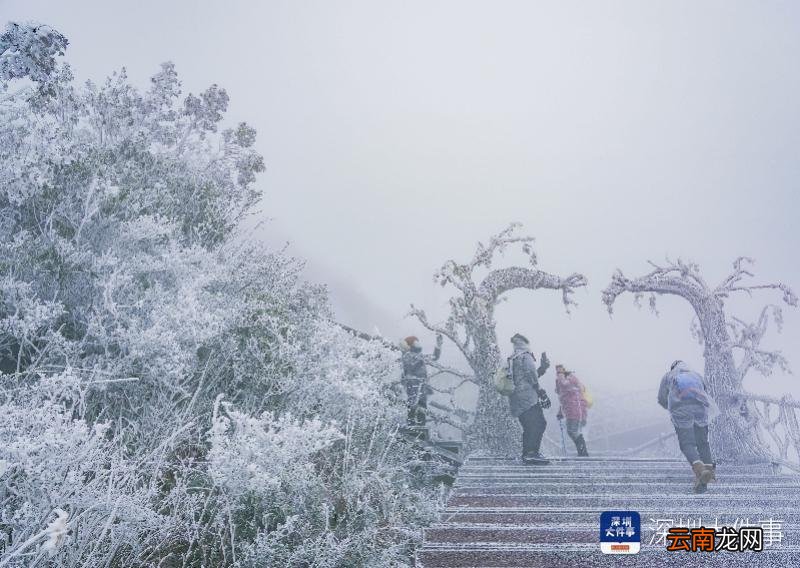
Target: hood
point(680, 367)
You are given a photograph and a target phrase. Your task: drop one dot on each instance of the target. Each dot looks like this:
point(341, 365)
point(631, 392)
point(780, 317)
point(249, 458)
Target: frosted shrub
point(260, 455)
point(170, 393)
point(335, 488)
point(51, 460)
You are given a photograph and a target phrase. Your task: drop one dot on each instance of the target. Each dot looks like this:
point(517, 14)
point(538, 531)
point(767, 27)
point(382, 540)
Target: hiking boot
point(701, 477)
point(581, 447)
point(709, 473)
point(535, 459)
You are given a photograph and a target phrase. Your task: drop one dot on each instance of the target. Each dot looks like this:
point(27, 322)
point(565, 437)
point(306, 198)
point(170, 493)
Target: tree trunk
point(495, 430)
point(732, 438)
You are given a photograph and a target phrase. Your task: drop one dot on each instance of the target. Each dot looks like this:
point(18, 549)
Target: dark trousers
point(574, 431)
point(533, 425)
point(694, 443)
point(417, 403)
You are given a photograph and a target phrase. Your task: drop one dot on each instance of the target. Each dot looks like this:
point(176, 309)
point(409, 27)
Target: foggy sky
point(398, 134)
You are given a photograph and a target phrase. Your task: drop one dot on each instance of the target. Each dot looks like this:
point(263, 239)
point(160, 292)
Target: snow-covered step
point(616, 466)
point(610, 474)
point(494, 460)
point(544, 516)
point(540, 534)
point(675, 487)
point(605, 473)
point(578, 477)
point(589, 556)
point(476, 458)
point(630, 502)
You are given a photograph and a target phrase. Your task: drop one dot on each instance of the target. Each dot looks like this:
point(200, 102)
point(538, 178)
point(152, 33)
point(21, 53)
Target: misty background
point(398, 135)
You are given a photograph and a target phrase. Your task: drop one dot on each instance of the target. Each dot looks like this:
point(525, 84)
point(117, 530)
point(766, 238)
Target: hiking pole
point(563, 437)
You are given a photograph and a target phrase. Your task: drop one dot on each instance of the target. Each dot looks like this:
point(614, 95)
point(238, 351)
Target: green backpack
point(502, 382)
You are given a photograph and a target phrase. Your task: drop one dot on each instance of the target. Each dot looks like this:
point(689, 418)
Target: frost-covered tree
point(130, 301)
point(471, 325)
point(30, 51)
point(731, 346)
point(114, 214)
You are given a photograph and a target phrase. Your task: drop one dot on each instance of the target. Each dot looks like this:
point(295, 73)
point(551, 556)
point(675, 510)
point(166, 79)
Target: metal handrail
point(657, 440)
point(785, 400)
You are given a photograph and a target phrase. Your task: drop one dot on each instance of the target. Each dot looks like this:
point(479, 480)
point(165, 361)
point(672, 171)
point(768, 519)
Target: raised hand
point(543, 365)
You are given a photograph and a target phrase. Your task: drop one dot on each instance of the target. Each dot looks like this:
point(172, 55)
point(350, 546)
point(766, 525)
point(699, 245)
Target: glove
point(544, 364)
point(544, 400)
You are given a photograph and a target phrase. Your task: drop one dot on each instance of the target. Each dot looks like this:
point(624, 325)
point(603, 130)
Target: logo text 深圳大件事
point(620, 532)
point(692, 535)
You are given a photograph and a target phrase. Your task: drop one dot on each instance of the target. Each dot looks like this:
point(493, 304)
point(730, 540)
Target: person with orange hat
point(415, 376)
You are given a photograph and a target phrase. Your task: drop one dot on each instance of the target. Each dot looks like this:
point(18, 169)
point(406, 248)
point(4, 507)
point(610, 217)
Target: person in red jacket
point(573, 406)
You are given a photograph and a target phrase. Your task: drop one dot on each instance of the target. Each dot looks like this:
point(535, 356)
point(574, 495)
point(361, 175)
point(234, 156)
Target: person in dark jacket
point(415, 377)
point(574, 408)
point(683, 393)
point(528, 398)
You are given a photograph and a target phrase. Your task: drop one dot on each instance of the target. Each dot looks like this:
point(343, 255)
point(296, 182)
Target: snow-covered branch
point(676, 278)
point(734, 283)
point(747, 338)
point(502, 280)
point(446, 331)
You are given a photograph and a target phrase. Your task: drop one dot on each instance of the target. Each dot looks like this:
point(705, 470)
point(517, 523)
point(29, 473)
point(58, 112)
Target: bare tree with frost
point(471, 324)
point(732, 347)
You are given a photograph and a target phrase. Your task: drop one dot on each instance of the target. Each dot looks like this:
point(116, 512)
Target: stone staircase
point(502, 513)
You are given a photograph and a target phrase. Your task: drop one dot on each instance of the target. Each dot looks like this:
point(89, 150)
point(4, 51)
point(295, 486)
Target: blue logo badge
point(620, 532)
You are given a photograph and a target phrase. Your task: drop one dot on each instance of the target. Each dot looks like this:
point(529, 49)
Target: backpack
point(502, 382)
point(587, 397)
point(688, 384)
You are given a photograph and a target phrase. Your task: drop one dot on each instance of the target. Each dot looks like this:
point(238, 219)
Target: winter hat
point(519, 339)
point(561, 369)
point(411, 340)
